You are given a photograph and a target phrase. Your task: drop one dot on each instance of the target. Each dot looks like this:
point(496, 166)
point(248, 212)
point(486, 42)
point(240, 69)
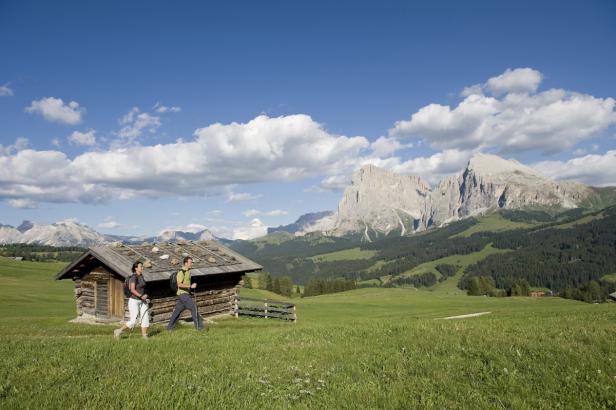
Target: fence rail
point(265, 308)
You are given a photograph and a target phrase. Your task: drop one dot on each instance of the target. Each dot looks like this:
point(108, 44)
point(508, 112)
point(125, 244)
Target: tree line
point(41, 253)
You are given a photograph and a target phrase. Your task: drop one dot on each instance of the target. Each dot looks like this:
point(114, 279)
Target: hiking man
point(138, 303)
point(184, 299)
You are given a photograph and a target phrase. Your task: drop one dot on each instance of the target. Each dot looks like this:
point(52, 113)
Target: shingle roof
point(160, 260)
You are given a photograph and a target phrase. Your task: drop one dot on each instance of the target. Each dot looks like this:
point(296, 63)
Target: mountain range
point(72, 233)
point(380, 203)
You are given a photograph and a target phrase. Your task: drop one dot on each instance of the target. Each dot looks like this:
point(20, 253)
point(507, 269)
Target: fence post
point(236, 306)
point(294, 314)
point(266, 310)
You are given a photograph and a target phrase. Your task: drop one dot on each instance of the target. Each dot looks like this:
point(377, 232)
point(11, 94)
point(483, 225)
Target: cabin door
point(116, 300)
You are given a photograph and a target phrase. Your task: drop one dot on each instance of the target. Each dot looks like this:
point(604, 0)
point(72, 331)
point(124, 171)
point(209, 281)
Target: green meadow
point(367, 348)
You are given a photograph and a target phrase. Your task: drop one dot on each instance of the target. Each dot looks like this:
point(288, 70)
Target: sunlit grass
point(368, 348)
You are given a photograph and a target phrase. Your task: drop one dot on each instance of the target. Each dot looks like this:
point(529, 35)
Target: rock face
point(170, 235)
point(379, 202)
point(311, 222)
point(490, 182)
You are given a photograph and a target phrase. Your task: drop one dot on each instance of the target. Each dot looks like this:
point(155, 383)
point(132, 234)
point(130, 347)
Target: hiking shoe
point(117, 334)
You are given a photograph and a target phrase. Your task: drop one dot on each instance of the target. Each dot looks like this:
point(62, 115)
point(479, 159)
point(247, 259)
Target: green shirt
point(183, 278)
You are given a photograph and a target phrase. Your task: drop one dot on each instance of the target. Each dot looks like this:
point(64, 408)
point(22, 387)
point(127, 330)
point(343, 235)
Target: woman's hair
point(186, 259)
point(134, 268)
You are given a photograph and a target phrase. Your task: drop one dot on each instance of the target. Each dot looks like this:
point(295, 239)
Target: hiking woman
point(137, 303)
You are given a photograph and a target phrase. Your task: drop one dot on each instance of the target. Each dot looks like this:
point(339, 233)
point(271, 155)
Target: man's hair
point(186, 259)
point(134, 268)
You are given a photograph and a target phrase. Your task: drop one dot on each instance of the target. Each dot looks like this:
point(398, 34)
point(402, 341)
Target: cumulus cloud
point(594, 169)
point(431, 168)
point(20, 144)
point(158, 107)
point(515, 118)
point(55, 142)
point(254, 229)
point(55, 110)
point(22, 203)
point(135, 122)
point(263, 149)
point(109, 223)
point(385, 146)
point(83, 138)
point(5, 90)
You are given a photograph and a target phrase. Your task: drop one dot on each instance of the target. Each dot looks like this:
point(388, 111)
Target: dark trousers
point(185, 302)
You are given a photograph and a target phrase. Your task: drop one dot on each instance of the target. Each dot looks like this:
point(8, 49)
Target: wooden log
point(202, 309)
point(164, 317)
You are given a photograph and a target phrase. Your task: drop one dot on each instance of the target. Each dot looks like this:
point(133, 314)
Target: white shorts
point(138, 309)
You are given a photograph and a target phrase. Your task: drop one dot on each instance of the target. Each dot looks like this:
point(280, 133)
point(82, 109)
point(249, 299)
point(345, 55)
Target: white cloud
point(5, 90)
point(519, 80)
point(136, 122)
point(83, 138)
point(251, 212)
point(158, 107)
point(109, 223)
point(55, 142)
point(20, 144)
point(594, 169)
point(549, 122)
point(22, 203)
point(385, 146)
point(276, 212)
point(54, 110)
point(218, 159)
point(254, 229)
point(241, 196)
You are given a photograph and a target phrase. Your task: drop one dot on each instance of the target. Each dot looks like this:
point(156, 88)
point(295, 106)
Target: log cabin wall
point(92, 294)
point(215, 296)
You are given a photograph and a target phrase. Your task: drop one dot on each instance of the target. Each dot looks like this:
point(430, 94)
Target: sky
point(134, 117)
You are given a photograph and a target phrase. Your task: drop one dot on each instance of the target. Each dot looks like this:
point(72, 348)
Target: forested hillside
point(555, 251)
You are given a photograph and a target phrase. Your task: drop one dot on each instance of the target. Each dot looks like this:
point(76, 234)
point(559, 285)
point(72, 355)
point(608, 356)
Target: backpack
point(127, 292)
point(173, 281)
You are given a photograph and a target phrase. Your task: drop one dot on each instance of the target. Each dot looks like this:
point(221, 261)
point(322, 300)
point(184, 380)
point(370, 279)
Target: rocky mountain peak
point(493, 165)
point(380, 201)
point(25, 225)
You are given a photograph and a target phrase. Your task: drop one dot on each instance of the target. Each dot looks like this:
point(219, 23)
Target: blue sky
point(136, 116)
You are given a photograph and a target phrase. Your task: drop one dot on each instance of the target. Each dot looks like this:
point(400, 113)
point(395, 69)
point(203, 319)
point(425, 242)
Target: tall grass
point(368, 348)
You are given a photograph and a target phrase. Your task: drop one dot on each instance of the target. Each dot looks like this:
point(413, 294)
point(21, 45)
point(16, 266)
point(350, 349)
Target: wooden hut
point(100, 272)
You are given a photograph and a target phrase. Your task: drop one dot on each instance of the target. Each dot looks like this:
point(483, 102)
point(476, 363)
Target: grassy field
point(347, 254)
point(368, 348)
point(493, 223)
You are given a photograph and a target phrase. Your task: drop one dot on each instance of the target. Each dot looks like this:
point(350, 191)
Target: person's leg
point(190, 304)
point(133, 312)
point(145, 319)
point(179, 307)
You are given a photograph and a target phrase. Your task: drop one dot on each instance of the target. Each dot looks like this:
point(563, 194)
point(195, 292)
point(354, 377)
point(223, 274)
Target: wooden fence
point(265, 308)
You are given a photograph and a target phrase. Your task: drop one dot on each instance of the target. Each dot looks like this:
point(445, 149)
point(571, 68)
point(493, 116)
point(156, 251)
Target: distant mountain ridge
point(379, 202)
point(71, 233)
point(305, 223)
